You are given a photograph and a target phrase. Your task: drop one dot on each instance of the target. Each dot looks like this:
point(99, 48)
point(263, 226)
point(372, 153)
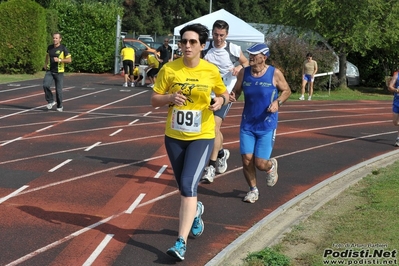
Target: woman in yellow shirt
point(185, 85)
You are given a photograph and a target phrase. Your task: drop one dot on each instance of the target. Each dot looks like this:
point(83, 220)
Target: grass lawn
point(4, 78)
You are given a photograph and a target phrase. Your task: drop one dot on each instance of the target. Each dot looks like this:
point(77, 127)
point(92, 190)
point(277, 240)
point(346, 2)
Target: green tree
point(89, 32)
point(349, 25)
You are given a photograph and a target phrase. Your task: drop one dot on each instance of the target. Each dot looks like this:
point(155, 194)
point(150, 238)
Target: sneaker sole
point(206, 180)
point(250, 201)
point(174, 254)
point(224, 169)
point(52, 104)
point(275, 181)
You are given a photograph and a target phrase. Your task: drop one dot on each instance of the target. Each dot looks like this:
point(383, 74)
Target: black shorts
point(152, 72)
point(128, 67)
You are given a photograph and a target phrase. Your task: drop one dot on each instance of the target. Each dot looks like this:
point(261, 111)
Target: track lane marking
point(10, 141)
point(56, 243)
point(92, 110)
point(131, 123)
point(44, 128)
point(98, 250)
point(27, 110)
point(60, 165)
point(79, 148)
point(69, 237)
point(163, 168)
point(116, 132)
point(92, 146)
point(135, 203)
point(20, 88)
point(23, 97)
point(3, 199)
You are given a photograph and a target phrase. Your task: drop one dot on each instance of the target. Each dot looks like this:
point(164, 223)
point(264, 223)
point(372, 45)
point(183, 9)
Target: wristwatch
point(280, 103)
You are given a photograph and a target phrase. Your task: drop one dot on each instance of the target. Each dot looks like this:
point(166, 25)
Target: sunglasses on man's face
point(191, 41)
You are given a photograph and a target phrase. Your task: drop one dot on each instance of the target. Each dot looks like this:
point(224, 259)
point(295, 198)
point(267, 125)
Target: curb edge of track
point(262, 229)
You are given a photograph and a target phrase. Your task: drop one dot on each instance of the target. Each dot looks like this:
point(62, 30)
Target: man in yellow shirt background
point(127, 54)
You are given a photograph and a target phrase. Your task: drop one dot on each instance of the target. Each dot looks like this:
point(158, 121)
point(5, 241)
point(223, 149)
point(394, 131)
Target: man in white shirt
point(229, 58)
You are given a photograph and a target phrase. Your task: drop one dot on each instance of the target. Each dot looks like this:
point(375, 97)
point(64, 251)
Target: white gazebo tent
point(239, 30)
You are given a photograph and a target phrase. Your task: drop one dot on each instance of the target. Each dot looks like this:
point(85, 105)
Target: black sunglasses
point(191, 41)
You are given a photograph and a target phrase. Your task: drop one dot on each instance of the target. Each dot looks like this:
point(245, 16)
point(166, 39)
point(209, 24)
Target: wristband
point(242, 66)
point(280, 103)
point(224, 99)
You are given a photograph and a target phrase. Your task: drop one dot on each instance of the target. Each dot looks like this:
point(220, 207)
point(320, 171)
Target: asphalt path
point(93, 185)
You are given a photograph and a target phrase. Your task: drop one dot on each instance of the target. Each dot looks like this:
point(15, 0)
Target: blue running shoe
point(198, 225)
point(178, 250)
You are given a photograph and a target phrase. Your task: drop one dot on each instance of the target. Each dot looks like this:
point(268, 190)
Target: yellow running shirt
point(127, 53)
point(152, 60)
point(193, 120)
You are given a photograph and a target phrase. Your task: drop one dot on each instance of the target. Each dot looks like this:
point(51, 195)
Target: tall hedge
point(89, 31)
point(22, 36)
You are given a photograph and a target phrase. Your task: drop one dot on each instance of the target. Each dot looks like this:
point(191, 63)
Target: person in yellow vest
point(127, 54)
point(57, 55)
point(137, 77)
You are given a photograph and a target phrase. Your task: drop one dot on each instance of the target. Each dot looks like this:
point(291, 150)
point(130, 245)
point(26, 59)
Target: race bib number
point(186, 120)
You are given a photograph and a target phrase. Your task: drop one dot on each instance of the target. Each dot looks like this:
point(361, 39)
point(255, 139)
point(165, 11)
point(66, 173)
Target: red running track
point(93, 185)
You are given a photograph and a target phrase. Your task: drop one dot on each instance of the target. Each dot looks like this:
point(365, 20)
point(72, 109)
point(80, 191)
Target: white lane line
point(116, 132)
point(44, 128)
point(8, 142)
point(62, 240)
point(154, 158)
point(92, 174)
point(73, 117)
point(147, 113)
point(92, 146)
point(3, 199)
point(161, 171)
point(111, 103)
point(39, 107)
point(79, 232)
point(135, 203)
point(60, 165)
point(98, 250)
point(131, 123)
point(81, 148)
point(23, 97)
point(19, 88)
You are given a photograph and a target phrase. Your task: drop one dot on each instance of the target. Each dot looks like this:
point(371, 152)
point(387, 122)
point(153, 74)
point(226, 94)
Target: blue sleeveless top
point(259, 93)
point(396, 95)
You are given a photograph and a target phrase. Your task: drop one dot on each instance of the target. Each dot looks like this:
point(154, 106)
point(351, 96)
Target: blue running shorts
point(258, 143)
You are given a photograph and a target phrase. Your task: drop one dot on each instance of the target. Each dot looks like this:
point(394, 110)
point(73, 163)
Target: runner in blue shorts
point(261, 85)
point(394, 87)
point(309, 69)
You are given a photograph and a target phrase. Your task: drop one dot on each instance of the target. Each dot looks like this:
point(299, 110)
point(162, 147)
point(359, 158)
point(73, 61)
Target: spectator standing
point(261, 84)
point(309, 69)
point(229, 59)
point(394, 87)
point(165, 53)
point(56, 57)
point(127, 54)
point(185, 85)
